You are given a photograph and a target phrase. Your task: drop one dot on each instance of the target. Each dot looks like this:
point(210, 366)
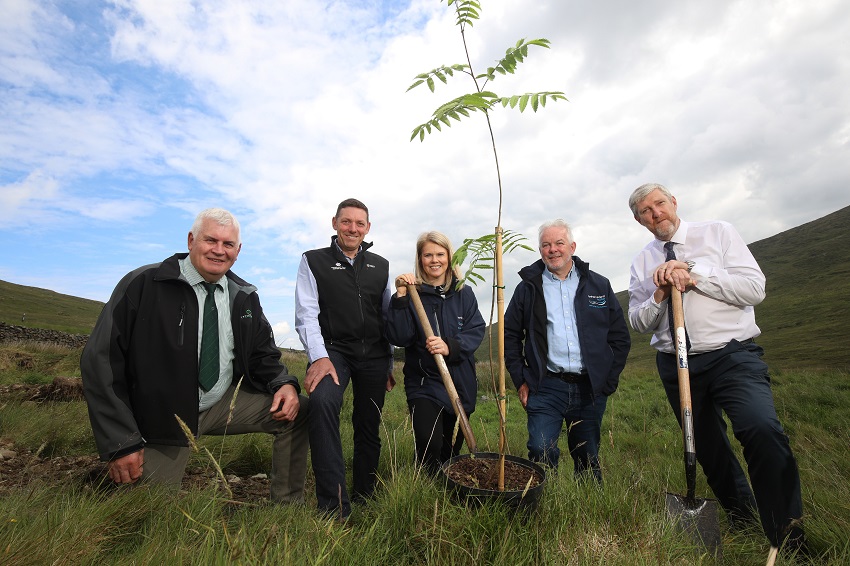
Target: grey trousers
point(167, 464)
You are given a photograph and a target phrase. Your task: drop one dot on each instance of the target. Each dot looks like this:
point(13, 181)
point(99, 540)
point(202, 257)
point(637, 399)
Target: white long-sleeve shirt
point(729, 283)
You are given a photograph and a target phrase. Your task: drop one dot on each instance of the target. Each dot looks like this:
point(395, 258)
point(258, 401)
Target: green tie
point(209, 370)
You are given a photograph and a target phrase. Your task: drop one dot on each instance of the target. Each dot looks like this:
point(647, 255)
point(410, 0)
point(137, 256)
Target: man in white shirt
point(342, 293)
point(721, 282)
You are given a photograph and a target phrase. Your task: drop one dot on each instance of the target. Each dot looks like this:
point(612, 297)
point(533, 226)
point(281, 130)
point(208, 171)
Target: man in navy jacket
point(566, 342)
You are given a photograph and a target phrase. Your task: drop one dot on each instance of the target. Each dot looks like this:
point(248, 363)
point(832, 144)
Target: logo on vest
point(597, 301)
point(338, 265)
point(369, 265)
point(247, 314)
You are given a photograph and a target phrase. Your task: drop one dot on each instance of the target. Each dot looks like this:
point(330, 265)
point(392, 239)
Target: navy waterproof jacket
point(455, 317)
point(603, 335)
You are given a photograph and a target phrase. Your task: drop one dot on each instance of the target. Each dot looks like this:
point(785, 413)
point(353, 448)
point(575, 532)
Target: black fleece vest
point(350, 310)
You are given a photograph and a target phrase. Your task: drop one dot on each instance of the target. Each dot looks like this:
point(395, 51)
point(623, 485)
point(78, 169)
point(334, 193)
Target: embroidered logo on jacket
point(597, 301)
point(247, 314)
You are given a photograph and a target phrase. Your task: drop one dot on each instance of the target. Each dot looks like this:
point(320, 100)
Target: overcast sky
point(120, 120)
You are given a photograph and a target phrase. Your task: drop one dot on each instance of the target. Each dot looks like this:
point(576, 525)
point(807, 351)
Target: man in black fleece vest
point(341, 295)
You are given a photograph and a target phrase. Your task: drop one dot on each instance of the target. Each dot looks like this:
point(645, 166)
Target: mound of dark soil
point(483, 473)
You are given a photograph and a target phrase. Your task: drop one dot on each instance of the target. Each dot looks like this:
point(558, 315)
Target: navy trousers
point(556, 403)
point(369, 380)
point(735, 380)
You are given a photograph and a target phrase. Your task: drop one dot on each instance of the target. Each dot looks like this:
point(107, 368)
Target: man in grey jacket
point(186, 340)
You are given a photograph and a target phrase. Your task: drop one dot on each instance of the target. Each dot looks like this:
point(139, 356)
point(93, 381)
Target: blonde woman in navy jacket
point(459, 329)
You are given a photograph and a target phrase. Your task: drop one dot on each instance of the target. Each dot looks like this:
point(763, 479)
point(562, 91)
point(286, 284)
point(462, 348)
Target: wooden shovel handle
point(444, 372)
point(684, 375)
point(681, 350)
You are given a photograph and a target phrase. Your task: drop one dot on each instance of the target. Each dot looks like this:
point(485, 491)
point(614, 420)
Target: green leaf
point(431, 84)
point(534, 101)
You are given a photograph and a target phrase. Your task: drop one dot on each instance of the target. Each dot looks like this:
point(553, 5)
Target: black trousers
point(433, 428)
point(735, 380)
point(369, 381)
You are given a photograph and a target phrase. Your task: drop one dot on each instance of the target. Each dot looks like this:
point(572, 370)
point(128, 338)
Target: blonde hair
point(441, 240)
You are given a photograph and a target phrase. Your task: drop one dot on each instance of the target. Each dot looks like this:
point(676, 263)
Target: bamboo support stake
point(500, 302)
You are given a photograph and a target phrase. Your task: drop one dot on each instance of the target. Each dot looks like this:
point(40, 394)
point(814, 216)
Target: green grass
point(46, 309)
point(413, 520)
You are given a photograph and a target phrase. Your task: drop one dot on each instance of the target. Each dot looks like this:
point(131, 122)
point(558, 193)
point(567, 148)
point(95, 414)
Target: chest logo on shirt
point(597, 301)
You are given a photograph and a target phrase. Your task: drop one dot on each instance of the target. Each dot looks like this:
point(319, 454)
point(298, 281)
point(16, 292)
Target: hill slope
point(808, 298)
point(802, 319)
point(40, 308)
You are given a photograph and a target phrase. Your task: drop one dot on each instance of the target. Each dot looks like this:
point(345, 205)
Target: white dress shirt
point(729, 283)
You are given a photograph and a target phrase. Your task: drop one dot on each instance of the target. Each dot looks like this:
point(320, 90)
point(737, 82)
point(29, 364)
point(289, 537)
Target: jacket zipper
point(180, 324)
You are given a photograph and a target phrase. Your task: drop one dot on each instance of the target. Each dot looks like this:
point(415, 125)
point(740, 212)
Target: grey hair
point(643, 191)
point(219, 216)
point(557, 223)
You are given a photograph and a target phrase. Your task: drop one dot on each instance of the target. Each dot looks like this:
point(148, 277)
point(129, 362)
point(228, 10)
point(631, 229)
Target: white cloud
point(132, 115)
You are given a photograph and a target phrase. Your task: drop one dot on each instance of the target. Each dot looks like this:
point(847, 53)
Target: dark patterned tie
point(671, 256)
point(209, 371)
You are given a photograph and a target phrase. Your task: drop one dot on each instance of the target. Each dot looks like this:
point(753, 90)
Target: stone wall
point(11, 333)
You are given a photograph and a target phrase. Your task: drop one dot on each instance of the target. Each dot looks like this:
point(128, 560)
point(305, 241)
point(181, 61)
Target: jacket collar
point(338, 251)
point(450, 289)
point(169, 270)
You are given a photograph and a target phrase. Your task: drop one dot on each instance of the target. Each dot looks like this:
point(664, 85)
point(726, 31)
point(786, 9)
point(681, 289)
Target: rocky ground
point(22, 469)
